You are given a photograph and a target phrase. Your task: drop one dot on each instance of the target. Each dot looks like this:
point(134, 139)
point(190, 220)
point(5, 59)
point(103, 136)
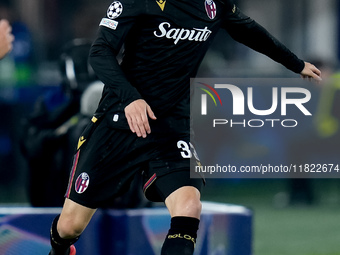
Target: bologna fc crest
point(82, 183)
point(210, 8)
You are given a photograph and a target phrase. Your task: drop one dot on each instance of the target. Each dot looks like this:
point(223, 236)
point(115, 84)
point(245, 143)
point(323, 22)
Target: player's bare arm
point(137, 114)
point(6, 38)
point(311, 72)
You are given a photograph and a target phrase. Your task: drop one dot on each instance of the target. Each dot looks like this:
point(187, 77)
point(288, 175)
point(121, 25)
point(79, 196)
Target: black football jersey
point(164, 43)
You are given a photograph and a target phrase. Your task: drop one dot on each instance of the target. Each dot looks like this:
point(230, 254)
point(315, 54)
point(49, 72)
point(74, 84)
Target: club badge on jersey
point(210, 8)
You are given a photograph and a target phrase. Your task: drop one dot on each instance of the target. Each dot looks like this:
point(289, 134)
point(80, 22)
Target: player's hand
point(6, 38)
point(137, 114)
point(311, 72)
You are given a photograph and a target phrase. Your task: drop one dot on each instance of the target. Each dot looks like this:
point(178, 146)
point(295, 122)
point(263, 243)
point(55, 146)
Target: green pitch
point(299, 229)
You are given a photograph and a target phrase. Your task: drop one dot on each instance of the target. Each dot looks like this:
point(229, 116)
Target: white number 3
point(186, 153)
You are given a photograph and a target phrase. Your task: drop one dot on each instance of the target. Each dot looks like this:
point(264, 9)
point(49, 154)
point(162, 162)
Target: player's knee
point(194, 207)
point(184, 202)
point(69, 228)
point(190, 207)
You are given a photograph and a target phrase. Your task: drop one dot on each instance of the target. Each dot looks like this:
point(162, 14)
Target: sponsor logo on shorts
point(81, 141)
point(109, 23)
point(82, 183)
point(210, 8)
point(94, 119)
point(114, 10)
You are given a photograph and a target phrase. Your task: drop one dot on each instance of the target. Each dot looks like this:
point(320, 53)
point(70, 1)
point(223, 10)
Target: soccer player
point(6, 38)
point(142, 121)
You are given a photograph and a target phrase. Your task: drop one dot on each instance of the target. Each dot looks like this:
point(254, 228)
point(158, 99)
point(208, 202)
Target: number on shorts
point(186, 153)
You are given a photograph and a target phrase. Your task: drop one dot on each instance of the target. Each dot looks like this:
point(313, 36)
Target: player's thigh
point(73, 219)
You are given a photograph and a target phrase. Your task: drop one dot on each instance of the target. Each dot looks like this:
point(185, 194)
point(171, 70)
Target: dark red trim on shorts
point(149, 182)
point(74, 167)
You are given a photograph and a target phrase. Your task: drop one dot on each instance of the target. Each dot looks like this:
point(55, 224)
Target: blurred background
point(42, 111)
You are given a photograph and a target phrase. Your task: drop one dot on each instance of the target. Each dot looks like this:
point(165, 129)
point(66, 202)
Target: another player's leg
point(68, 226)
point(184, 206)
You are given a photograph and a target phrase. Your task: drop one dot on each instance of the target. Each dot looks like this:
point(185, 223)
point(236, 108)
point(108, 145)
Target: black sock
point(181, 237)
point(60, 246)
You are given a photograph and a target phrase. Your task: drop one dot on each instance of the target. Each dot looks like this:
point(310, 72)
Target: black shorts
point(107, 158)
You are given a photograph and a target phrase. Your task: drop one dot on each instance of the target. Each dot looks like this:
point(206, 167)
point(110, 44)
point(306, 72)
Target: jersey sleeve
point(103, 54)
point(248, 32)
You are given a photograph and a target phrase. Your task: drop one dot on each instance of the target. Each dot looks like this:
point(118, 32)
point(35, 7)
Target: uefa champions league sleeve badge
point(114, 10)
